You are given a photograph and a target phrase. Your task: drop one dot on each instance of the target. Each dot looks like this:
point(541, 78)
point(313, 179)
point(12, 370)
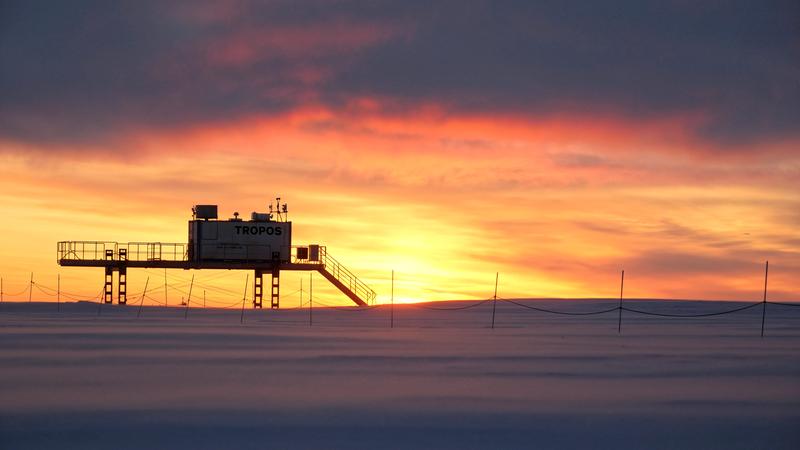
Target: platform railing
point(160, 251)
point(85, 250)
point(133, 251)
point(155, 251)
point(163, 251)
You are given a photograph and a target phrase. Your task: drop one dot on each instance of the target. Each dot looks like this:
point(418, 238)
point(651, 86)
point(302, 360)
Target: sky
point(554, 142)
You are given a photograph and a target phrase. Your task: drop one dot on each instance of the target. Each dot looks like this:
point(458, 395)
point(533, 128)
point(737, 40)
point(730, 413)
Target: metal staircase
point(344, 280)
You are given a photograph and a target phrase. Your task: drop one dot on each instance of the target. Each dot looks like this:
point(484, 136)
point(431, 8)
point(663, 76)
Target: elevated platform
point(118, 257)
point(186, 265)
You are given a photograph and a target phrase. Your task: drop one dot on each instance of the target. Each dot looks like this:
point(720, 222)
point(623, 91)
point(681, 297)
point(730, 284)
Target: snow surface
point(439, 379)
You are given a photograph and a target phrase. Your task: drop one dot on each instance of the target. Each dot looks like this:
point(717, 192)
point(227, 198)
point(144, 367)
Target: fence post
point(621, 286)
point(1, 290)
point(310, 299)
point(494, 303)
point(391, 322)
point(30, 289)
point(58, 295)
point(764, 303)
point(189, 300)
point(144, 294)
point(166, 302)
point(244, 297)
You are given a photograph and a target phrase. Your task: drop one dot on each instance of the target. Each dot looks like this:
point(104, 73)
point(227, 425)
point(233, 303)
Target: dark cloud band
point(80, 71)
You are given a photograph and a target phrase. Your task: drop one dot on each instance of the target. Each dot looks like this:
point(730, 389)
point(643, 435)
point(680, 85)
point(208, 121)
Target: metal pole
point(311, 299)
point(494, 303)
point(100, 301)
point(189, 300)
point(1, 290)
point(165, 288)
point(621, 285)
point(244, 297)
point(58, 295)
point(144, 294)
point(301, 292)
point(392, 321)
point(204, 298)
point(764, 303)
point(30, 289)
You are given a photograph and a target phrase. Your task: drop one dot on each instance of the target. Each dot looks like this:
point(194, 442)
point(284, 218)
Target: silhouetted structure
point(262, 244)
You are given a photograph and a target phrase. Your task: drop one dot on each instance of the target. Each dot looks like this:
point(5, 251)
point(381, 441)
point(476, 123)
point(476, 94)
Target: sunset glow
point(556, 189)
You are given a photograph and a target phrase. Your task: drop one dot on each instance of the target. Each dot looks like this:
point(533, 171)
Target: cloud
point(671, 263)
point(89, 71)
point(86, 72)
point(727, 63)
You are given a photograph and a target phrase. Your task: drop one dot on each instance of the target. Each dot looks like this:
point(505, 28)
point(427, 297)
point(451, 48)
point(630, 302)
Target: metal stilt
point(276, 288)
point(258, 289)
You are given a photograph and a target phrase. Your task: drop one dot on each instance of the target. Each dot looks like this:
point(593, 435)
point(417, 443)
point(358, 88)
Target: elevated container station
point(262, 244)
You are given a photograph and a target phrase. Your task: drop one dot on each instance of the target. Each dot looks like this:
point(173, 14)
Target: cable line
point(563, 313)
point(456, 308)
point(647, 313)
point(784, 303)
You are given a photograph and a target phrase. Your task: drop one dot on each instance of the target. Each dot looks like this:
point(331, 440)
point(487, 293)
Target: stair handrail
point(339, 272)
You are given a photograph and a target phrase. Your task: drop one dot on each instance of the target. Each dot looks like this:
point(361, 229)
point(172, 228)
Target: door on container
point(154, 251)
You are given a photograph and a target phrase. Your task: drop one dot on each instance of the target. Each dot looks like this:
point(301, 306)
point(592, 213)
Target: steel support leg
point(109, 287)
point(109, 290)
point(122, 283)
point(276, 288)
point(258, 289)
